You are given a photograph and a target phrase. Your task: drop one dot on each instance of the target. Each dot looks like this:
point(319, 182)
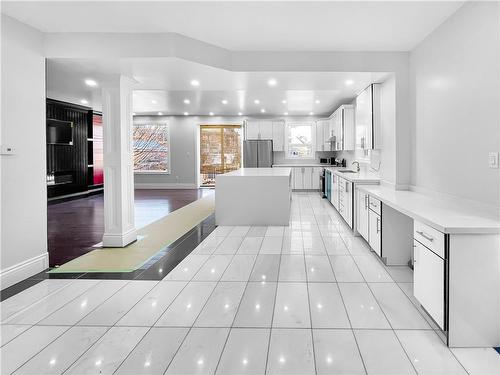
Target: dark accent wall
point(69, 162)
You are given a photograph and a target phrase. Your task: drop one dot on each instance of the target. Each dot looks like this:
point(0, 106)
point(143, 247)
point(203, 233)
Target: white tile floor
point(304, 299)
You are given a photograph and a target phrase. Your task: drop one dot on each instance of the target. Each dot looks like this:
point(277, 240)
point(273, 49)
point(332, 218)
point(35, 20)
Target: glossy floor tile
point(307, 298)
point(290, 352)
point(336, 352)
point(245, 352)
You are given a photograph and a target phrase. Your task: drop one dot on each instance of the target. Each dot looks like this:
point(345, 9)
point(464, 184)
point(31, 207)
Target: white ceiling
point(166, 81)
point(259, 26)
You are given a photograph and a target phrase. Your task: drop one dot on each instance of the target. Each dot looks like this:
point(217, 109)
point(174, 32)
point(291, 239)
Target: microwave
point(325, 160)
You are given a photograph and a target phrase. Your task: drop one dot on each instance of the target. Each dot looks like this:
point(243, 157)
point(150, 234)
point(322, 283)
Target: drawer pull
point(378, 221)
point(426, 236)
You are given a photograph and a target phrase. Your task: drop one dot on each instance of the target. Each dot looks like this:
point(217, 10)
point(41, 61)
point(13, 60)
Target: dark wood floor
point(75, 226)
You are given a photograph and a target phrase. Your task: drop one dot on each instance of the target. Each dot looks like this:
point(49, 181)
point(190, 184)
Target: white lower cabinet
point(316, 172)
point(345, 200)
point(362, 213)
point(307, 178)
point(428, 278)
point(375, 232)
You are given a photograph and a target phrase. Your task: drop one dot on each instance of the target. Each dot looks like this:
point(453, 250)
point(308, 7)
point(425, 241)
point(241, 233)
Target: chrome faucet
point(357, 165)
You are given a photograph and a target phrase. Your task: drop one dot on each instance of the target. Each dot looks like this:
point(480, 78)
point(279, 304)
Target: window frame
point(288, 125)
point(169, 153)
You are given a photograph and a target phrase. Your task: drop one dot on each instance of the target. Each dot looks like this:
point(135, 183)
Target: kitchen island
point(253, 196)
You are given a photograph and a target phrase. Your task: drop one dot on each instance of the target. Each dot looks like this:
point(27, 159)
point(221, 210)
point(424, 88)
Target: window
point(151, 148)
point(300, 140)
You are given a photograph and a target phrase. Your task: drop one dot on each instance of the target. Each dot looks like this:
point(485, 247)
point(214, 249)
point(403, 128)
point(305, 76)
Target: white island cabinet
point(253, 196)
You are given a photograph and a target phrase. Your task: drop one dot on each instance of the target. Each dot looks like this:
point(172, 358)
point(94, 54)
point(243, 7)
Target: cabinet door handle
point(378, 221)
point(366, 201)
point(426, 236)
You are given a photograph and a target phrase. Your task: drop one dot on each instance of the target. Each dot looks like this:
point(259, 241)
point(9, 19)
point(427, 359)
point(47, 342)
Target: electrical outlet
point(493, 160)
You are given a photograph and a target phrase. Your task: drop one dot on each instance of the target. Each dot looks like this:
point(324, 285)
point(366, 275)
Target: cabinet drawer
point(375, 205)
point(429, 237)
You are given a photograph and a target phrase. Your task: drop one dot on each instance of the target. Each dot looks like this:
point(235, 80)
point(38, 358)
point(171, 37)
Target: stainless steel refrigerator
point(258, 154)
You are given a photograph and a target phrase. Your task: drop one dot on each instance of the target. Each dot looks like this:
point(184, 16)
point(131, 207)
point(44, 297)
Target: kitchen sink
point(347, 171)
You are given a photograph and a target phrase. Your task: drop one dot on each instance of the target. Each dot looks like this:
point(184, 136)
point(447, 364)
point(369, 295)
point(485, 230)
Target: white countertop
point(447, 215)
point(258, 172)
point(301, 165)
point(367, 177)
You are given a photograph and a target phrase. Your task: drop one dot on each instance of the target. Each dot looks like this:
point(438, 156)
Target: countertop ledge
point(447, 215)
point(258, 172)
point(367, 177)
point(301, 165)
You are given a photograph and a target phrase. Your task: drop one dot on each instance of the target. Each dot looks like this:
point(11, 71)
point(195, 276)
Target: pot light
point(133, 113)
point(84, 101)
point(240, 114)
point(154, 101)
point(317, 101)
point(349, 82)
point(90, 82)
point(187, 101)
point(285, 113)
point(194, 82)
point(283, 101)
point(186, 114)
point(311, 113)
point(160, 113)
point(224, 101)
point(256, 101)
point(211, 113)
point(263, 110)
point(272, 82)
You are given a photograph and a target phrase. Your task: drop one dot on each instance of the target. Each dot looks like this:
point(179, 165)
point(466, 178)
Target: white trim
point(119, 239)
point(163, 185)
point(21, 271)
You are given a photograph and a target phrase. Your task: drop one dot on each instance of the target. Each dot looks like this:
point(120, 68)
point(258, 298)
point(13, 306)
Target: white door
point(320, 144)
point(348, 126)
point(327, 133)
point(335, 191)
point(362, 213)
point(363, 115)
point(316, 172)
point(252, 129)
point(348, 186)
point(298, 179)
point(266, 130)
point(307, 177)
point(428, 278)
point(278, 135)
point(374, 229)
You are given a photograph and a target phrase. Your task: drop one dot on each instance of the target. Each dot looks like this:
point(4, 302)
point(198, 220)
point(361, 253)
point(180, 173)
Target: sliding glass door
point(220, 151)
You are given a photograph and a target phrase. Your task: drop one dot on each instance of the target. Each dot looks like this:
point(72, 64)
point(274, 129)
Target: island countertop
point(258, 172)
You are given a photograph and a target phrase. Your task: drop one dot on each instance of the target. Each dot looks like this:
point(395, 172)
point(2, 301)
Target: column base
point(119, 239)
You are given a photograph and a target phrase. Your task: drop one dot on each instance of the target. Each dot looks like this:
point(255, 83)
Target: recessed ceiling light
point(211, 113)
point(160, 113)
point(133, 113)
point(186, 114)
point(256, 101)
point(285, 113)
point(263, 110)
point(283, 101)
point(311, 113)
point(272, 82)
point(154, 101)
point(187, 101)
point(240, 114)
point(349, 82)
point(84, 101)
point(195, 82)
point(90, 82)
point(224, 101)
point(317, 101)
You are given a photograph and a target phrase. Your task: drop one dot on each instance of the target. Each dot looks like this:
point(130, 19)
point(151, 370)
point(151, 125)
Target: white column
point(119, 224)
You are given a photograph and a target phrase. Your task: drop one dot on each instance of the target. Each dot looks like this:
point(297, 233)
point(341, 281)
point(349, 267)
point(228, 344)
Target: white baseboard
point(21, 271)
point(164, 185)
point(119, 240)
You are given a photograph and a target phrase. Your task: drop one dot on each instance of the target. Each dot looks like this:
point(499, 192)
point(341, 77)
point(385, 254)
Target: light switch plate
point(7, 150)
point(493, 160)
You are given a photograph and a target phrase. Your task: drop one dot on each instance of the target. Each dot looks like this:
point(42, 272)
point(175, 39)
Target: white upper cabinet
point(320, 143)
point(327, 133)
point(252, 129)
point(367, 118)
point(278, 136)
point(266, 129)
point(336, 130)
point(348, 126)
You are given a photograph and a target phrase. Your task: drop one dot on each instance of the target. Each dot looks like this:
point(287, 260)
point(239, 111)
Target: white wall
point(23, 189)
point(455, 88)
